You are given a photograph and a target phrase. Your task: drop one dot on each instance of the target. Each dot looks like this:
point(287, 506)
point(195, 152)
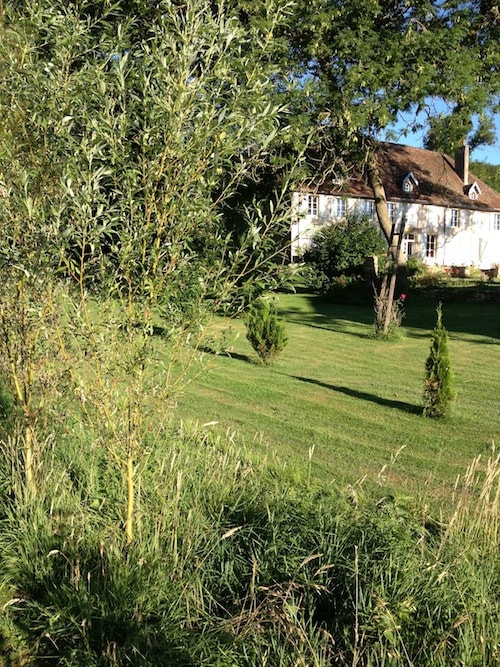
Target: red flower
point(402, 297)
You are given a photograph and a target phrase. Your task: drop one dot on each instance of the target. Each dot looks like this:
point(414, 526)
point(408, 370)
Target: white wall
point(472, 241)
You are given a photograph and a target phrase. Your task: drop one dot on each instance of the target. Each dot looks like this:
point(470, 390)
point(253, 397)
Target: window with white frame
point(430, 246)
point(474, 191)
point(496, 222)
point(341, 208)
point(409, 183)
point(409, 244)
point(312, 204)
point(391, 210)
point(455, 217)
point(369, 207)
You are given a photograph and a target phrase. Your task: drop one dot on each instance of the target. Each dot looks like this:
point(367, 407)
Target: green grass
point(357, 400)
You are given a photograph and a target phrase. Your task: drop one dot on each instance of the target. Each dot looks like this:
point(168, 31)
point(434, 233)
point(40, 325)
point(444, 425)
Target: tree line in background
point(489, 173)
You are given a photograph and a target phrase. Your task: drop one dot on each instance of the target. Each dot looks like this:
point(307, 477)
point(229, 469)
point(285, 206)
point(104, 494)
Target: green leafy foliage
point(265, 330)
point(489, 173)
point(124, 162)
point(354, 54)
point(439, 381)
point(338, 251)
point(125, 134)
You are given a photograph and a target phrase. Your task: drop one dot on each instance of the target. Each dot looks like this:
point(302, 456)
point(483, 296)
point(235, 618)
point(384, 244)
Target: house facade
point(451, 218)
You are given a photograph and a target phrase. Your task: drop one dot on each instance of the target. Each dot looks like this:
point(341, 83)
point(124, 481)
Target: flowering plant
point(398, 308)
point(395, 319)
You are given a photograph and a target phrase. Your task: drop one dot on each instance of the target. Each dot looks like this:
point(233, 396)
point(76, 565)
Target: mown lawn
point(352, 404)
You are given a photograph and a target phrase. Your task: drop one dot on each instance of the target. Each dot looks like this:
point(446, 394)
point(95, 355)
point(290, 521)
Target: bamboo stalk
point(28, 458)
point(129, 523)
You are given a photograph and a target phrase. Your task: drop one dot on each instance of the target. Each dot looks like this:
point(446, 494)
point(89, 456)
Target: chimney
point(462, 163)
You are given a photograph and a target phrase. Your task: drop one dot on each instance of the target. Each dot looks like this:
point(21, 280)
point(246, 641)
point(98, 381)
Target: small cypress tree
point(265, 330)
point(439, 383)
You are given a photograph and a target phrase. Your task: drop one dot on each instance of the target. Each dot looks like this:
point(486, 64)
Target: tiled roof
point(438, 182)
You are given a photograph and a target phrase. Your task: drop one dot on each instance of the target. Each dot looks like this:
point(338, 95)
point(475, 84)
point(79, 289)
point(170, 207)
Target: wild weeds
point(235, 563)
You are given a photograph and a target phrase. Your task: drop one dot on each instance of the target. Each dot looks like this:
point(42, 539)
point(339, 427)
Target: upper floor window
point(391, 210)
point(341, 209)
point(369, 207)
point(312, 204)
point(474, 191)
point(496, 222)
point(455, 217)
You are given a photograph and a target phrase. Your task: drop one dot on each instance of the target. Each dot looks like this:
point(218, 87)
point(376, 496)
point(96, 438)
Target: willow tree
point(127, 128)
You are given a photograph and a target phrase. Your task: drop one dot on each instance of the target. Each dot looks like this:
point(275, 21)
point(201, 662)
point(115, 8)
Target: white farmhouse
point(451, 217)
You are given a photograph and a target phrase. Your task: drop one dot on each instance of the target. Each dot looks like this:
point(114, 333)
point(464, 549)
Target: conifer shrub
point(265, 330)
point(439, 382)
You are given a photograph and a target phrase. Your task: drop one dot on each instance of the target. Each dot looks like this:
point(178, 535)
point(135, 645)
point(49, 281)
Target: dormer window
point(473, 191)
point(409, 182)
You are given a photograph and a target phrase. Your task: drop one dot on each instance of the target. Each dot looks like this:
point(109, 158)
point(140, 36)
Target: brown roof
point(438, 182)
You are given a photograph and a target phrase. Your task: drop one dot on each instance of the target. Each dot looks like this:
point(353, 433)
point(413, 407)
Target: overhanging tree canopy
point(364, 63)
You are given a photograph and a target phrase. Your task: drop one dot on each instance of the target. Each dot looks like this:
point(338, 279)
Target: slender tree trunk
point(385, 297)
point(380, 199)
point(392, 282)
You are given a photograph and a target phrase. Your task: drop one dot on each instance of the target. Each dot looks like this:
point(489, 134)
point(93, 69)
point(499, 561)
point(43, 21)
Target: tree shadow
point(365, 396)
point(330, 316)
point(461, 316)
point(206, 349)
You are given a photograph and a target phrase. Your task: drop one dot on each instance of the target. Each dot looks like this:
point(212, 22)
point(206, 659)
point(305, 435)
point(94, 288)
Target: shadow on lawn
point(467, 317)
point(206, 349)
point(387, 402)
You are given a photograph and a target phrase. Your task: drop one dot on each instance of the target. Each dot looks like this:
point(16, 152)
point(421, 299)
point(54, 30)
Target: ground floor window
point(430, 246)
point(496, 222)
point(409, 245)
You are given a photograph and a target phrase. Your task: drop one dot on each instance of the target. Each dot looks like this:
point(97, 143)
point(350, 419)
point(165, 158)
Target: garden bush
point(439, 382)
point(338, 252)
point(421, 275)
point(265, 330)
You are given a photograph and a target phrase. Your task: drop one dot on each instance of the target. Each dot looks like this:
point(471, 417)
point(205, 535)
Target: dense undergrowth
point(239, 563)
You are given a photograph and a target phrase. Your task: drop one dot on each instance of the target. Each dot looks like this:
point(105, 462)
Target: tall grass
point(238, 561)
